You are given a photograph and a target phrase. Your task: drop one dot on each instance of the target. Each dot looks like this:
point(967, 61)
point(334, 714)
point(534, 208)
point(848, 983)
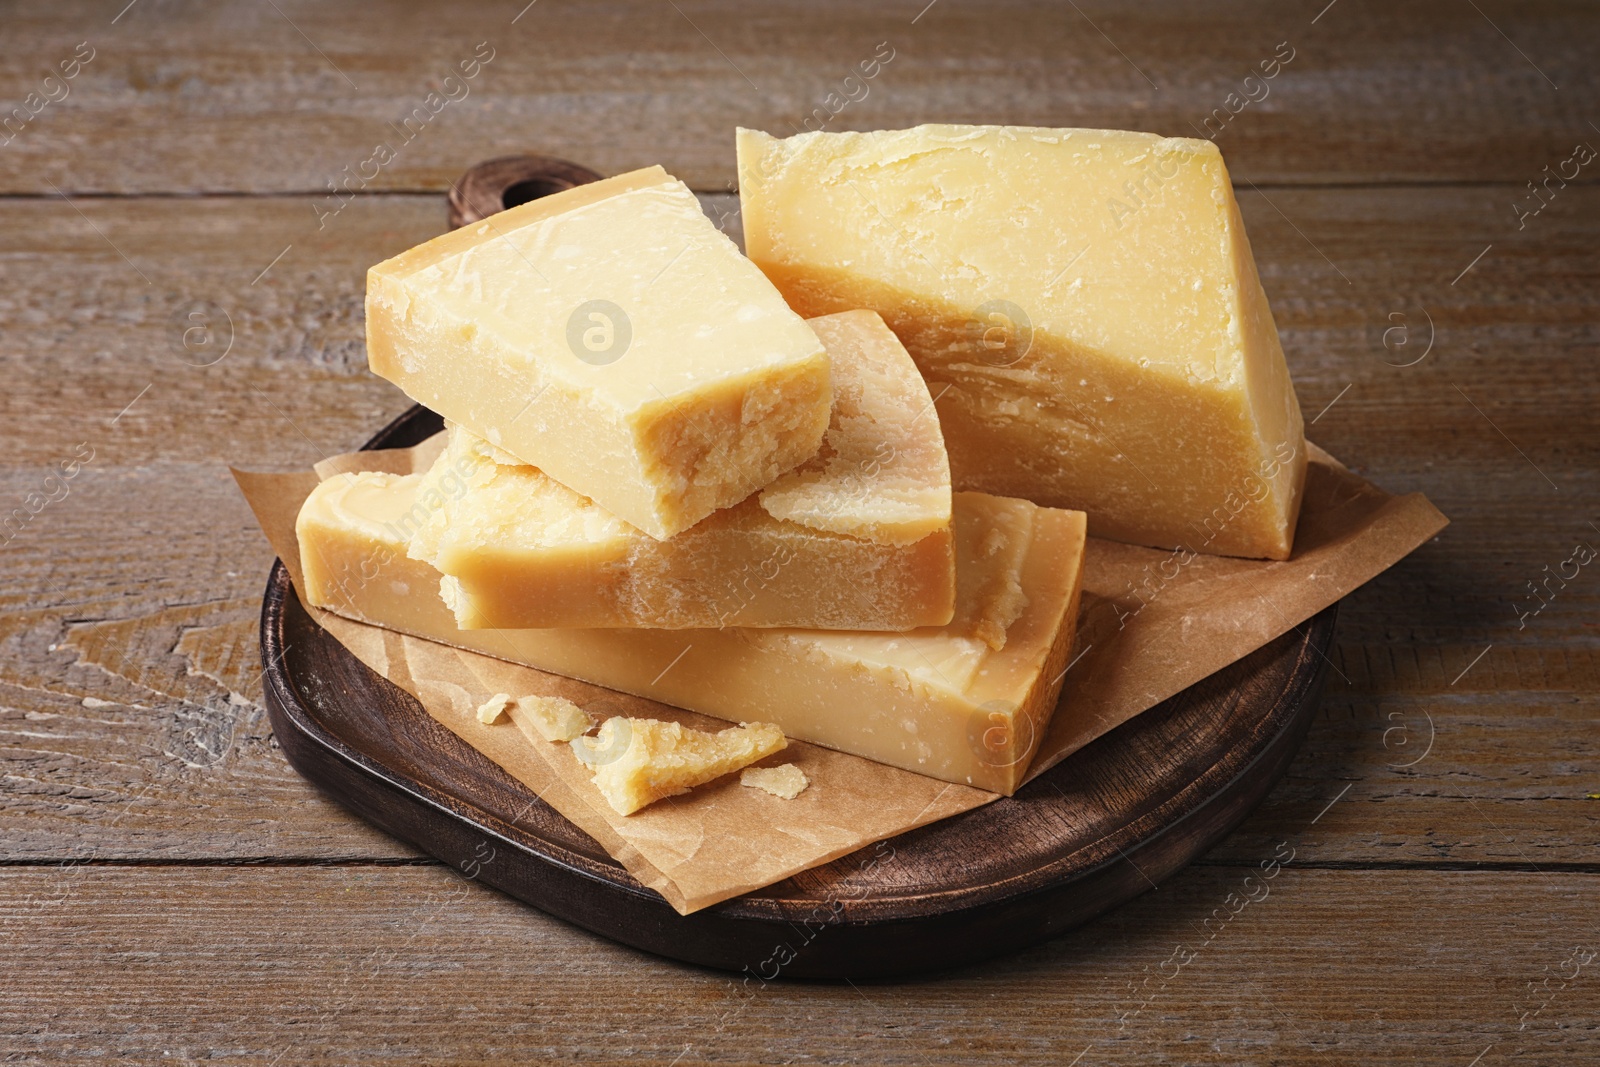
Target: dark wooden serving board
point(1098, 829)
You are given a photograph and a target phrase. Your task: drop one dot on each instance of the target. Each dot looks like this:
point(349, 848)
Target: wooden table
point(181, 292)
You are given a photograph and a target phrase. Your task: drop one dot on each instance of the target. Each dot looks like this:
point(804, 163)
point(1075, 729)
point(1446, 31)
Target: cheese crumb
point(490, 710)
point(554, 718)
point(636, 762)
point(787, 781)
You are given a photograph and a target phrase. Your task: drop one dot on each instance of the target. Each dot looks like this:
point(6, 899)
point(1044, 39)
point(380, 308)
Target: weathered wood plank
point(399, 966)
point(91, 318)
point(127, 609)
point(1497, 405)
point(130, 723)
point(274, 98)
point(1458, 727)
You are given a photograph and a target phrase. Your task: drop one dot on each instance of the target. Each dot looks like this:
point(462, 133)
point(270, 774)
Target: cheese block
point(858, 537)
point(966, 702)
point(637, 762)
point(1084, 304)
point(613, 337)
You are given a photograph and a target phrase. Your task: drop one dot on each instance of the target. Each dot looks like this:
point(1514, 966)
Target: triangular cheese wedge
point(882, 473)
point(1083, 303)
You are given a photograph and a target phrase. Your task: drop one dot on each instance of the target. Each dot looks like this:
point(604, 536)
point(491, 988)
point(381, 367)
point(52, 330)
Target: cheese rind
point(1084, 304)
point(941, 701)
point(613, 337)
point(637, 762)
point(858, 537)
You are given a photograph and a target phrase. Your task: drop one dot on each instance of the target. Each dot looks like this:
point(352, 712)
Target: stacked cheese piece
point(658, 477)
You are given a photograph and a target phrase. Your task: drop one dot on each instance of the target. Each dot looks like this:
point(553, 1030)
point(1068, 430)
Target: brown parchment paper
point(1154, 622)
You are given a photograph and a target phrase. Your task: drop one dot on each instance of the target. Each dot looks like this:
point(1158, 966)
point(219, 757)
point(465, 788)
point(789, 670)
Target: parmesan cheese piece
point(613, 337)
point(490, 710)
point(882, 473)
point(858, 537)
point(965, 702)
point(787, 781)
point(637, 762)
point(1083, 303)
point(552, 718)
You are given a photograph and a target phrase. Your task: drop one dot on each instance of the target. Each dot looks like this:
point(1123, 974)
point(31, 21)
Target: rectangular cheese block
point(966, 702)
point(613, 337)
point(1084, 304)
point(857, 538)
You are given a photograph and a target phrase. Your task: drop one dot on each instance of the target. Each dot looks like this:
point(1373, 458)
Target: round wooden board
point(1096, 830)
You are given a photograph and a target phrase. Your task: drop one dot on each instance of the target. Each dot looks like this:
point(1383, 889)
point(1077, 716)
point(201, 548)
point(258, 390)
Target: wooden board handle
point(511, 180)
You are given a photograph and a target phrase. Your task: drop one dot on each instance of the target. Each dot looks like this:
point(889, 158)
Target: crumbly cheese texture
point(490, 710)
point(636, 762)
point(965, 702)
point(787, 781)
point(613, 337)
point(552, 718)
point(1084, 304)
point(856, 538)
point(882, 473)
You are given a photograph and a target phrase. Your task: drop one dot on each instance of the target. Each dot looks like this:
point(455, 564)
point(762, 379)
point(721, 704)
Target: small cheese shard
point(857, 538)
point(552, 718)
point(490, 710)
point(966, 702)
point(613, 337)
point(1084, 304)
point(787, 781)
point(637, 762)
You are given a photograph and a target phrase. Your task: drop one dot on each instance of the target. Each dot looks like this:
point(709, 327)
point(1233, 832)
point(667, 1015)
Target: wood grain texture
point(286, 96)
point(152, 546)
point(1421, 904)
point(404, 966)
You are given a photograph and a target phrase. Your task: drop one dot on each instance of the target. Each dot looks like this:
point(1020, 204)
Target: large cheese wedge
point(857, 538)
point(613, 337)
point(966, 702)
point(1084, 304)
